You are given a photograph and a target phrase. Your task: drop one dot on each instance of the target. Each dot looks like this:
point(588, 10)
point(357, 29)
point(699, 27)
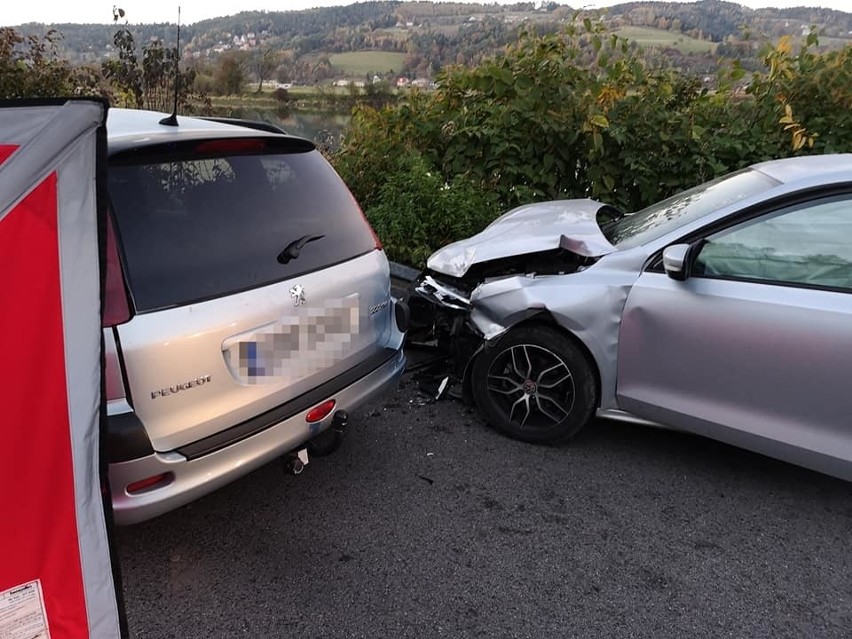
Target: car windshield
point(644, 226)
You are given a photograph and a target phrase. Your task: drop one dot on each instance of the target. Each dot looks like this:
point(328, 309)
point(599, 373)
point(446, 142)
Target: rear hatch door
point(254, 277)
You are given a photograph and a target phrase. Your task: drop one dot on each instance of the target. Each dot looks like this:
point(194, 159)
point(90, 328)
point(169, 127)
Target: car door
point(754, 346)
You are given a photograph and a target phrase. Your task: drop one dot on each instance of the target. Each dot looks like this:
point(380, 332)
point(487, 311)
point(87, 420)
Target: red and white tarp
point(56, 577)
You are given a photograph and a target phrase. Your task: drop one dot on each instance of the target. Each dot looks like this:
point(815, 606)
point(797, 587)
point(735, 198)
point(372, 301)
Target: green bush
point(416, 211)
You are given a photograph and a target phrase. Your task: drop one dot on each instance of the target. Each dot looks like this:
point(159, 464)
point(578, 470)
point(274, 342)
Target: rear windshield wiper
point(294, 248)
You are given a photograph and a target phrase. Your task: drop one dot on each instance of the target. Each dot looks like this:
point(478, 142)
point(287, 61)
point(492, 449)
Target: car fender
point(587, 304)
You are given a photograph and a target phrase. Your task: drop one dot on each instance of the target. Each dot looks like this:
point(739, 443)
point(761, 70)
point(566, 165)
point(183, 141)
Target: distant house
point(420, 83)
point(346, 82)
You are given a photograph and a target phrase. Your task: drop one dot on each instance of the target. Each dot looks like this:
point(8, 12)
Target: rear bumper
point(193, 478)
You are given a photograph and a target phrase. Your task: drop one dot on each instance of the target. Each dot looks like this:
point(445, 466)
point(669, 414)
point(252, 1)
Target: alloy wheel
point(532, 386)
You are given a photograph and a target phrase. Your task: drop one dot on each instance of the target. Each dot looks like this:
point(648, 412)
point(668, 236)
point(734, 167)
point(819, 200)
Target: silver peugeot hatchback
point(248, 306)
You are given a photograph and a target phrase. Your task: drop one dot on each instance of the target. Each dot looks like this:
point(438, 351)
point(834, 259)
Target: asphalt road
point(428, 524)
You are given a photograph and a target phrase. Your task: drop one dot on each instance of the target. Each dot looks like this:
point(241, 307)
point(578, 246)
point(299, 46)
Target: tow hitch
point(323, 444)
point(295, 462)
point(330, 439)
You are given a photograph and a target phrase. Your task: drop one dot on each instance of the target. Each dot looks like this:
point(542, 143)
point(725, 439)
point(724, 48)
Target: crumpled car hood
point(544, 226)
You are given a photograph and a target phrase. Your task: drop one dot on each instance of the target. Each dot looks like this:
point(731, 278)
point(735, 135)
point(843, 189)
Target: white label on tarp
point(22, 613)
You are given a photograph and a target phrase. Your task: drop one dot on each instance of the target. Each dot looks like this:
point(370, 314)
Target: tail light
point(116, 308)
point(320, 412)
point(149, 483)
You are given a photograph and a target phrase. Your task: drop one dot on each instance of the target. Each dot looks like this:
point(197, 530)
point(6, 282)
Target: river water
point(322, 127)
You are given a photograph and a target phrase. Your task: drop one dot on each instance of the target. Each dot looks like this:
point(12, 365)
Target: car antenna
point(172, 119)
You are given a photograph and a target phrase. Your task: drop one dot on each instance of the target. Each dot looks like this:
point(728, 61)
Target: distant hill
point(427, 36)
point(717, 20)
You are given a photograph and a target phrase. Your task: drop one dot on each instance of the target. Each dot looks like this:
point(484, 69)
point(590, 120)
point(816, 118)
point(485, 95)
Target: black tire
point(535, 385)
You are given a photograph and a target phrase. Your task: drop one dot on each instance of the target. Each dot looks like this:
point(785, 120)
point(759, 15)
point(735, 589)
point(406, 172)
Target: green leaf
point(812, 39)
point(600, 120)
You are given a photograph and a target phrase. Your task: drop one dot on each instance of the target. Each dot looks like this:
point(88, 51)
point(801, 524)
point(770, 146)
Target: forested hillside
point(299, 46)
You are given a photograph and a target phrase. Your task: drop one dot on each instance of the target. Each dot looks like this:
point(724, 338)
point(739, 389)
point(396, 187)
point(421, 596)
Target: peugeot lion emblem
point(298, 295)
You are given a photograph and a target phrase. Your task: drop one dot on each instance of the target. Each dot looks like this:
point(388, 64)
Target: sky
point(16, 12)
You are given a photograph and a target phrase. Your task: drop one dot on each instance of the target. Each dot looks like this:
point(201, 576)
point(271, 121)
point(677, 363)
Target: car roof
point(806, 167)
point(132, 128)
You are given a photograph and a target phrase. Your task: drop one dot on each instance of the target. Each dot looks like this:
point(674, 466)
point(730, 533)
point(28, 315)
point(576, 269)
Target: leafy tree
point(378, 94)
point(230, 75)
point(125, 73)
point(159, 71)
point(263, 63)
point(30, 66)
point(151, 84)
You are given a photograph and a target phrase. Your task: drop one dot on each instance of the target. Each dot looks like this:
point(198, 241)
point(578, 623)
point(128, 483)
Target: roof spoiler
point(249, 124)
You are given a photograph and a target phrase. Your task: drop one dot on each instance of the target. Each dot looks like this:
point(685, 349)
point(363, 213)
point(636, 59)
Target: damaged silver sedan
point(725, 310)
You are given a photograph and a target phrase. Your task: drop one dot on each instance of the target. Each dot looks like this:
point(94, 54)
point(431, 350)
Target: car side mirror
point(676, 261)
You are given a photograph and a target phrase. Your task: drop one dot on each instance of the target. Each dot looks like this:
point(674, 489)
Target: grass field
point(834, 43)
point(360, 63)
point(648, 37)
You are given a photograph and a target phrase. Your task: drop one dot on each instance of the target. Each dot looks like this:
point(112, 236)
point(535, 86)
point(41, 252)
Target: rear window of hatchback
point(202, 220)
